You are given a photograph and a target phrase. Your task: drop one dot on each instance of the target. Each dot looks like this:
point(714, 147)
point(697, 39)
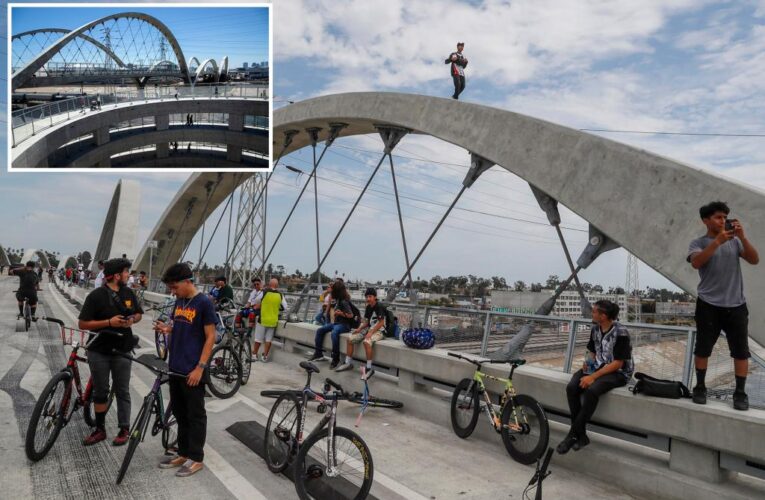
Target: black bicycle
point(26, 316)
point(153, 403)
point(329, 453)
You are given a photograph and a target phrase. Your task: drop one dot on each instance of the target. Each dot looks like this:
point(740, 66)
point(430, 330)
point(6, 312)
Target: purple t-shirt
point(188, 337)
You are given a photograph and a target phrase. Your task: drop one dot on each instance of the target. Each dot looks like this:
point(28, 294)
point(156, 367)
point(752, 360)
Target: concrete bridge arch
point(605, 182)
point(120, 229)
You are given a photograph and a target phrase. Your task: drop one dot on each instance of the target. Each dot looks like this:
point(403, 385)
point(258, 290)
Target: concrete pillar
point(406, 381)
point(101, 136)
point(162, 121)
point(289, 346)
point(696, 461)
point(236, 122)
point(163, 149)
point(233, 153)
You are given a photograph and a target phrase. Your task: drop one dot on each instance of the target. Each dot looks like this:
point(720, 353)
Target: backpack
point(390, 323)
point(651, 386)
point(355, 321)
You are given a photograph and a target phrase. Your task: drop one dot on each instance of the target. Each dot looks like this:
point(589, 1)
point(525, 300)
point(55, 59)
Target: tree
point(597, 289)
point(86, 259)
point(587, 287)
point(553, 281)
point(498, 282)
point(519, 286)
point(280, 270)
point(536, 287)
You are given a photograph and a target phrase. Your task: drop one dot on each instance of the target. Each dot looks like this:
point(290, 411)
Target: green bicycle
point(520, 419)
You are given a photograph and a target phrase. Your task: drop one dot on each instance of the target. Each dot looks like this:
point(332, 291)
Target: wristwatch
point(202, 365)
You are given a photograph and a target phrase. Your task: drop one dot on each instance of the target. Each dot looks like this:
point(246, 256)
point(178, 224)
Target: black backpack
point(651, 386)
point(390, 322)
point(355, 321)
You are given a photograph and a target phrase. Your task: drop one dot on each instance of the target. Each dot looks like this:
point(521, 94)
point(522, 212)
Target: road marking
point(234, 482)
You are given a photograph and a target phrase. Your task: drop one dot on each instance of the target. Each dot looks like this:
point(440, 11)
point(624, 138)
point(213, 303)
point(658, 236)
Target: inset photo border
point(140, 87)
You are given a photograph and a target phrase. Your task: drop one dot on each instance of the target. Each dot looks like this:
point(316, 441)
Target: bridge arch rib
point(605, 182)
point(90, 39)
point(23, 75)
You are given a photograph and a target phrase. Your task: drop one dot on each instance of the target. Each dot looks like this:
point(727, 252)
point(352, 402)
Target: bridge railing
point(28, 122)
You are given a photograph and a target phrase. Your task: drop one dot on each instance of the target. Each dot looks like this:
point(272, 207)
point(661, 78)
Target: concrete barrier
point(709, 442)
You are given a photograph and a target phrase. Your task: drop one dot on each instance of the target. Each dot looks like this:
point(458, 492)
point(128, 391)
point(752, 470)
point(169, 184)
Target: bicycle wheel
point(354, 470)
point(525, 430)
point(48, 416)
point(27, 316)
point(160, 344)
point(245, 351)
point(280, 441)
point(89, 413)
point(169, 431)
point(224, 374)
point(136, 434)
point(465, 408)
point(374, 401)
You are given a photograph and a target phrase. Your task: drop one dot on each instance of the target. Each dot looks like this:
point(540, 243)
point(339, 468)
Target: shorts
point(264, 333)
point(30, 295)
point(710, 320)
point(357, 338)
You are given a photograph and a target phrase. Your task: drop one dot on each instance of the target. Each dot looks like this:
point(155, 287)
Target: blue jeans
point(320, 319)
point(336, 329)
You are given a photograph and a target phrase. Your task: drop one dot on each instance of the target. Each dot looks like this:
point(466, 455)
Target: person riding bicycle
point(190, 344)
point(374, 327)
point(222, 292)
point(270, 302)
point(28, 282)
point(112, 307)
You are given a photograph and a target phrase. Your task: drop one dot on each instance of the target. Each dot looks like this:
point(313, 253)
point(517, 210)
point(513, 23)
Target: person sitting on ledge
point(608, 365)
point(340, 322)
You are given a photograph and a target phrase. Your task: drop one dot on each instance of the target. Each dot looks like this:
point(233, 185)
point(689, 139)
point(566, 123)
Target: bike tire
point(170, 433)
point(374, 401)
point(136, 434)
point(527, 447)
point(245, 352)
point(286, 415)
point(303, 483)
point(46, 402)
point(224, 367)
point(464, 390)
point(88, 411)
point(27, 316)
point(160, 345)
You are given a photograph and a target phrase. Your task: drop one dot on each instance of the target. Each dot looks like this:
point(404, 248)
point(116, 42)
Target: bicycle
point(26, 315)
point(523, 423)
point(160, 340)
point(153, 403)
point(52, 411)
point(328, 451)
point(225, 367)
point(365, 400)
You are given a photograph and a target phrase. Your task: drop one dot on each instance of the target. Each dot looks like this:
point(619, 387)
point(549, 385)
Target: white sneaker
point(344, 367)
point(263, 358)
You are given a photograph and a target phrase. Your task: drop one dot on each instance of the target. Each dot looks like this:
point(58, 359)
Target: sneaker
point(34, 318)
point(189, 467)
point(566, 444)
point(344, 367)
point(740, 401)
point(334, 364)
point(317, 357)
point(263, 358)
point(700, 395)
point(368, 374)
point(96, 436)
point(172, 462)
point(254, 357)
point(581, 442)
point(121, 438)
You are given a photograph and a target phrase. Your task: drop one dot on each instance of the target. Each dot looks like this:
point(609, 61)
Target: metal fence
point(26, 123)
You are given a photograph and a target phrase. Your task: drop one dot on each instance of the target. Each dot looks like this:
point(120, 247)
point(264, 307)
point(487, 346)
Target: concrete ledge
point(715, 427)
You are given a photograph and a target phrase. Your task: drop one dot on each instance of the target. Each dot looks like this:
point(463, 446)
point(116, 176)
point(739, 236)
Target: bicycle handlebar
point(334, 384)
point(476, 362)
point(53, 320)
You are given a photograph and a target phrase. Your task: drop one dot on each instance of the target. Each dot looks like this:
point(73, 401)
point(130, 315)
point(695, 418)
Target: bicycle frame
point(509, 392)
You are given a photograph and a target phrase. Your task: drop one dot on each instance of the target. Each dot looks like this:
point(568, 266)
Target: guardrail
point(26, 123)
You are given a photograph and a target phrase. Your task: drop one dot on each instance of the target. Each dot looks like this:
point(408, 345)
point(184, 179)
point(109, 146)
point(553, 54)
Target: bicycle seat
point(309, 367)
point(517, 362)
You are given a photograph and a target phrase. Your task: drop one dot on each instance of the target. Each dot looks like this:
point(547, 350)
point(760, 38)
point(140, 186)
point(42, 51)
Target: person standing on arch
point(458, 64)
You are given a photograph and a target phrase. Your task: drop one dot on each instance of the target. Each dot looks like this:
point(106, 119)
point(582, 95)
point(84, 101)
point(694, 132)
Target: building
point(511, 301)
point(568, 304)
point(679, 308)
point(245, 66)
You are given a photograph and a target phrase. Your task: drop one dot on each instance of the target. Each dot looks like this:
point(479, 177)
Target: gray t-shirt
point(721, 282)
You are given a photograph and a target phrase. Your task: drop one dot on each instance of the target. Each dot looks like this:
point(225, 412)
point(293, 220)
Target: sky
point(693, 67)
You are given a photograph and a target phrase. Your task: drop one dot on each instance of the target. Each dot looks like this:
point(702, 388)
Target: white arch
point(4, 260)
point(201, 68)
point(120, 229)
point(31, 253)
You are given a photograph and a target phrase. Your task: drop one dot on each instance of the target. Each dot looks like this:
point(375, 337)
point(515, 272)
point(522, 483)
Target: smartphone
point(729, 224)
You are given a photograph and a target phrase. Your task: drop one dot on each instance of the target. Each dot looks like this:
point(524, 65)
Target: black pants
point(459, 85)
point(189, 411)
point(710, 320)
point(582, 402)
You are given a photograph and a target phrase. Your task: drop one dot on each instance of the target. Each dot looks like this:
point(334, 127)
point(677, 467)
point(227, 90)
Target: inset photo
point(139, 87)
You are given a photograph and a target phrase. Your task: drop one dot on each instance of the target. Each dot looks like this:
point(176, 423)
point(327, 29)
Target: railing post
point(307, 313)
point(688, 361)
point(570, 348)
point(486, 329)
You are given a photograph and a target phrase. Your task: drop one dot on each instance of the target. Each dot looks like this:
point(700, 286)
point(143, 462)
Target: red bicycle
point(56, 404)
